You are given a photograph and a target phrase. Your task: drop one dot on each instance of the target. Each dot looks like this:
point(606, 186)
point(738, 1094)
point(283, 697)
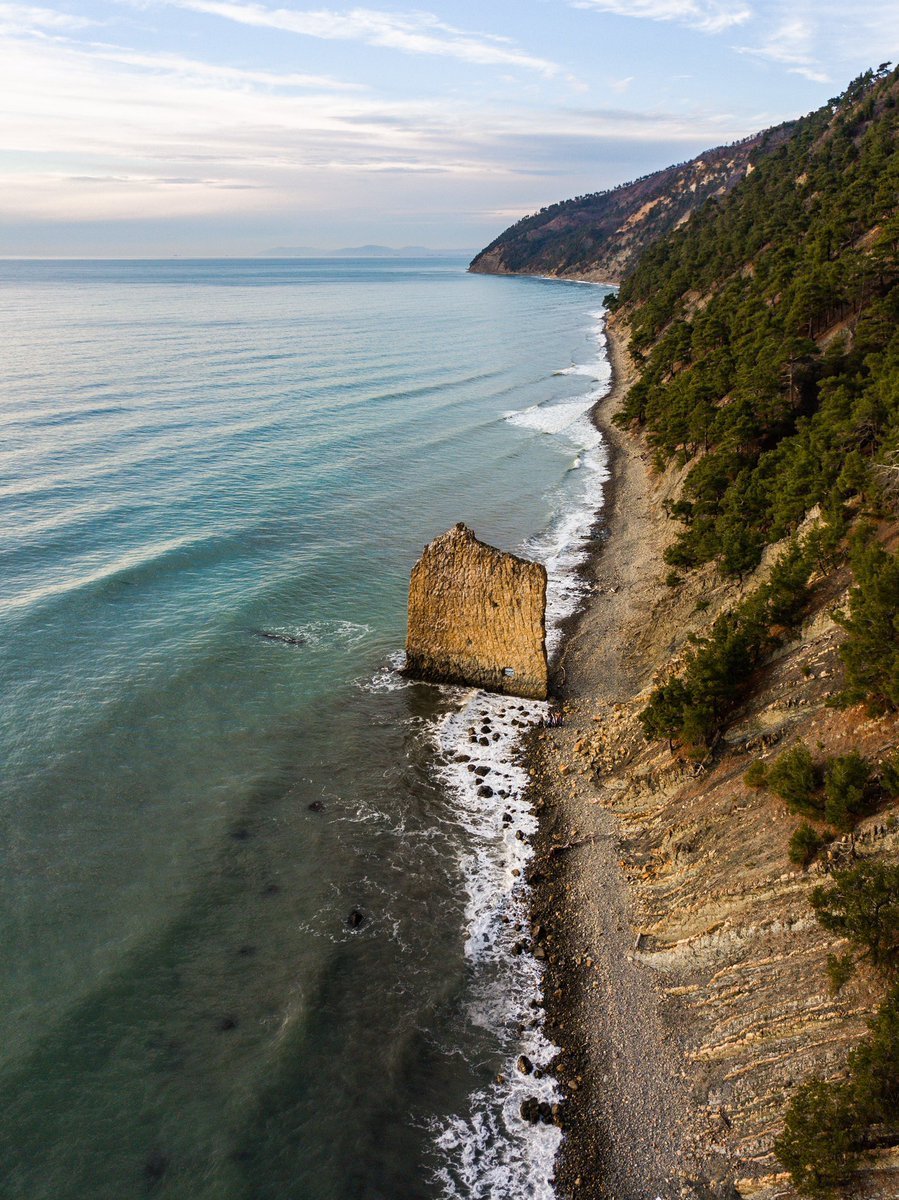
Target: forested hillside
point(602, 235)
point(755, 769)
point(767, 336)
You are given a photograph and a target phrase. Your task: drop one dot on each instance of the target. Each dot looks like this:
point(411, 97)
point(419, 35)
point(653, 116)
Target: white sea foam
point(389, 677)
point(490, 1152)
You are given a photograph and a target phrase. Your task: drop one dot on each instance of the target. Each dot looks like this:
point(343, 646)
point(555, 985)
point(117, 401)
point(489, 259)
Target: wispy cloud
point(191, 68)
point(26, 18)
point(791, 44)
point(411, 33)
point(100, 132)
point(709, 16)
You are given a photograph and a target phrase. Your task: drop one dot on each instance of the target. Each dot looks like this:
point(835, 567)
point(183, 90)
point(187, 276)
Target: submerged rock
point(156, 1166)
point(477, 616)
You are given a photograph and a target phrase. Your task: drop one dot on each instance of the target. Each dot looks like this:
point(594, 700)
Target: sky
point(230, 127)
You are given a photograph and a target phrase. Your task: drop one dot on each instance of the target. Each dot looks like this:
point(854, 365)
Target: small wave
point(389, 677)
point(588, 370)
point(553, 417)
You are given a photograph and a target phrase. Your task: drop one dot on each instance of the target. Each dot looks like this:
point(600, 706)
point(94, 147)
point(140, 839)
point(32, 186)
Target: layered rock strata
point(477, 616)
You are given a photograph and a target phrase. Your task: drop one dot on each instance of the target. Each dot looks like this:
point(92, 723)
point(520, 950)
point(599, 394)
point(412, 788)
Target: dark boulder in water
point(286, 639)
point(316, 806)
point(156, 1166)
point(356, 919)
point(536, 1111)
point(525, 1065)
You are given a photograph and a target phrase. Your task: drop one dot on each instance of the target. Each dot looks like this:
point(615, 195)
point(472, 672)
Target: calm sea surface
point(194, 455)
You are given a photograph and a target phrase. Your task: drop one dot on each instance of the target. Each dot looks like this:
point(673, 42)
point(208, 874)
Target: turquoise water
point(195, 455)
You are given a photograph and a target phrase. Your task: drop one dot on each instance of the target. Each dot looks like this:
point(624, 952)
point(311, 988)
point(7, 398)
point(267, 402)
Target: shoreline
point(625, 1111)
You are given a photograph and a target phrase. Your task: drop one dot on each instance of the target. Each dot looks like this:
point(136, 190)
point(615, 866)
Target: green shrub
point(840, 968)
point(795, 778)
point(673, 580)
point(696, 705)
point(805, 844)
point(828, 1124)
point(870, 651)
point(862, 904)
point(757, 775)
point(847, 789)
point(875, 1067)
point(818, 1143)
point(889, 776)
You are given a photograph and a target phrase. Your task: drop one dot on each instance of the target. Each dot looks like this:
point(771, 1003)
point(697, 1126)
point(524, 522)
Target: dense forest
point(768, 334)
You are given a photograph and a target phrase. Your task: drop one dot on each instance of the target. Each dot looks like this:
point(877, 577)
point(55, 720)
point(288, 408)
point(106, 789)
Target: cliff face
point(601, 236)
point(477, 617)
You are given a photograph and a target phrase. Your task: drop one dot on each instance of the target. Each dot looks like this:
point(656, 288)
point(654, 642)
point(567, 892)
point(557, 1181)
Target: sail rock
point(477, 616)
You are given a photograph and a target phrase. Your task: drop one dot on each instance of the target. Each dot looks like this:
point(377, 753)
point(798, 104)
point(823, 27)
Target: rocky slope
point(600, 237)
point(688, 979)
point(757, 424)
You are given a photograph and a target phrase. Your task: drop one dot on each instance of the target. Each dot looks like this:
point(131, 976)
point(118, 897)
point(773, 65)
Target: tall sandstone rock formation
point(477, 616)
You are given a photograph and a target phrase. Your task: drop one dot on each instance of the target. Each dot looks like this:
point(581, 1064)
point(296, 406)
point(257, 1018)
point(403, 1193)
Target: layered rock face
point(477, 616)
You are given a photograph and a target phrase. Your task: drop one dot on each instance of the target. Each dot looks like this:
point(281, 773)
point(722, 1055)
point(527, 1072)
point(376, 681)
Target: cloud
point(791, 44)
point(96, 131)
point(190, 68)
point(411, 33)
point(24, 18)
point(709, 16)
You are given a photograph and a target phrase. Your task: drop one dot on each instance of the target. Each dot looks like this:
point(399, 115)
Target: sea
point(263, 929)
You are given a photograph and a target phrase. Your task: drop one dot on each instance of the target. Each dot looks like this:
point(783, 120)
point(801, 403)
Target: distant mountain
point(371, 251)
point(602, 235)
